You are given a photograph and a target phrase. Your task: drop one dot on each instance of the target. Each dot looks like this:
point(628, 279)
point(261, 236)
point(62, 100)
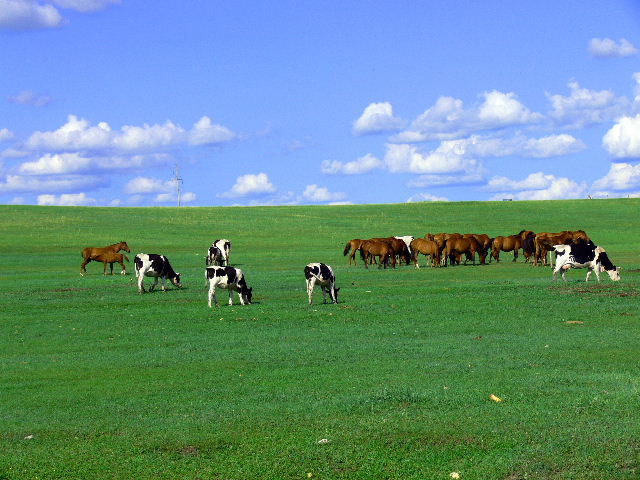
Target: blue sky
point(300, 102)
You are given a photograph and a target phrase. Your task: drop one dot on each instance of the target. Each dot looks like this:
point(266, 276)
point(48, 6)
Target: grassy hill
point(394, 382)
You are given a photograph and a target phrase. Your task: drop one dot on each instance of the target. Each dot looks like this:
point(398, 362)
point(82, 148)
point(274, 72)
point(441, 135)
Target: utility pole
point(178, 181)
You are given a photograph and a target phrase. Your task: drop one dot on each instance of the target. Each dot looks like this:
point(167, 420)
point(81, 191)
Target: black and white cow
point(321, 274)
point(230, 278)
point(158, 266)
point(584, 255)
point(218, 253)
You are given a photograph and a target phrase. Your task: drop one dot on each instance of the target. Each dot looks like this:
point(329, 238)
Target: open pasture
point(394, 382)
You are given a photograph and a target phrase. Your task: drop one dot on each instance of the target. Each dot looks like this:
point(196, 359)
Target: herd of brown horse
point(448, 248)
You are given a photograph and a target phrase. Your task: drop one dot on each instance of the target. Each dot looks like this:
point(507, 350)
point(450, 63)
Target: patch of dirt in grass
point(190, 451)
point(598, 289)
point(69, 289)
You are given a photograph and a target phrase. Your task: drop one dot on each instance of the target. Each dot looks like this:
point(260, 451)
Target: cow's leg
point(310, 284)
point(212, 295)
point(324, 293)
point(153, 285)
point(140, 282)
point(231, 295)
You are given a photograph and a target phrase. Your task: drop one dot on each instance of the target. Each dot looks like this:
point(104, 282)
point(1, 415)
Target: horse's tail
point(346, 249)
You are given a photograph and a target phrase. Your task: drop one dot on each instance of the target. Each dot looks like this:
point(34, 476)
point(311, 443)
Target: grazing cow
point(352, 246)
point(584, 254)
point(157, 266)
point(321, 274)
point(219, 252)
point(230, 278)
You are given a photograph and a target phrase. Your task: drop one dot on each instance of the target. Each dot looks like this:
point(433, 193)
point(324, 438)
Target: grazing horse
point(398, 246)
point(373, 248)
point(353, 246)
point(528, 244)
point(545, 241)
point(506, 244)
point(426, 247)
point(455, 247)
point(102, 254)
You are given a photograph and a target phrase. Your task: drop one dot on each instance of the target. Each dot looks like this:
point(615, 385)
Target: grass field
point(98, 381)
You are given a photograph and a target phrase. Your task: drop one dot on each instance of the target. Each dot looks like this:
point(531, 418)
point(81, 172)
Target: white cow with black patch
point(157, 266)
point(229, 278)
point(321, 274)
point(584, 255)
point(219, 252)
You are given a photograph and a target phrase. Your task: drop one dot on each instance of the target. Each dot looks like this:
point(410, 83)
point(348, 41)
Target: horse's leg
point(515, 254)
point(124, 269)
point(83, 268)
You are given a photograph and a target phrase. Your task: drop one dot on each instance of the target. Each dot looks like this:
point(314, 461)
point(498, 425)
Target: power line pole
point(178, 181)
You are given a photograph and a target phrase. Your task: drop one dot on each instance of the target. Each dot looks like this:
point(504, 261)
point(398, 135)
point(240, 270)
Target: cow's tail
point(346, 249)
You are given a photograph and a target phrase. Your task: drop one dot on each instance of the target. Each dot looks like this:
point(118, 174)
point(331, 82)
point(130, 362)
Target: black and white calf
point(218, 253)
point(321, 274)
point(230, 278)
point(584, 255)
point(157, 266)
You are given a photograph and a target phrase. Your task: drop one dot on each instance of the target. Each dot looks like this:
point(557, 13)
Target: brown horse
point(506, 244)
point(398, 246)
point(426, 247)
point(545, 241)
point(372, 248)
point(455, 247)
point(353, 246)
point(112, 258)
point(102, 254)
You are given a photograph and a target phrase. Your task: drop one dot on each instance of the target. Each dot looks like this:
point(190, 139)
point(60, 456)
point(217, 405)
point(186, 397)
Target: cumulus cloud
point(423, 181)
point(314, 193)
point(447, 158)
point(56, 184)
point(448, 119)
point(249, 185)
point(28, 15)
point(66, 199)
point(621, 177)
point(79, 135)
point(584, 107)
point(377, 117)
point(5, 134)
point(85, 6)
point(172, 197)
point(57, 164)
point(361, 165)
point(609, 48)
point(623, 139)
point(426, 197)
point(146, 185)
point(31, 98)
point(537, 186)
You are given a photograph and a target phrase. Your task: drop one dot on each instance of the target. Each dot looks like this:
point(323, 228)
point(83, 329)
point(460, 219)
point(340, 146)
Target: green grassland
point(98, 381)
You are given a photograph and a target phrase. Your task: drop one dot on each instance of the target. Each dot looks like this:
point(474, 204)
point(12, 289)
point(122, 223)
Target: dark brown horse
point(506, 244)
point(104, 255)
point(455, 247)
point(353, 246)
point(372, 248)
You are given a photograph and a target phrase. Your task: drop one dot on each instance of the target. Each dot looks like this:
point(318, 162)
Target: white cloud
point(314, 193)
point(250, 184)
point(361, 165)
point(426, 197)
point(145, 185)
point(206, 133)
point(447, 158)
point(28, 15)
point(424, 181)
point(536, 186)
point(64, 163)
point(172, 197)
point(67, 183)
point(66, 199)
point(17, 201)
point(79, 135)
point(5, 134)
point(584, 107)
point(608, 48)
point(31, 98)
point(623, 139)
point(621, 176)
point(85, 6)
point(377, 117)
point(448, 119)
